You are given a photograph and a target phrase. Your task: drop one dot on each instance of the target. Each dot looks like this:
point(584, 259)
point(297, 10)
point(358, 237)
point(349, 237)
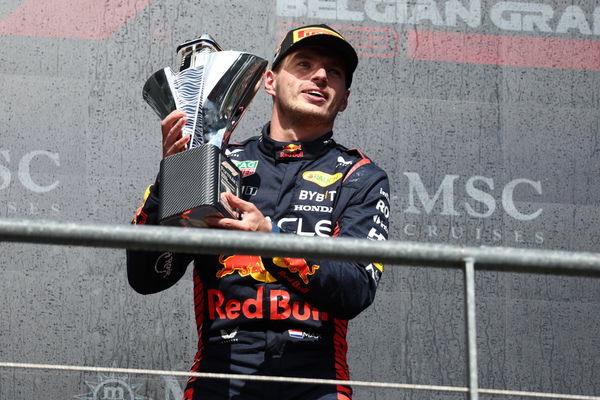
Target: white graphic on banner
point(417, 190)
point(434, 213)
point(529, 17)
point(445, 13)
point(24, 170)
point(112, 387)
point(29, 171)
point(173, 390)
point(506, 15)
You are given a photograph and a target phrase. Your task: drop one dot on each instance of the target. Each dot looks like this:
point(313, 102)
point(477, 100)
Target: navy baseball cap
point(318, 35)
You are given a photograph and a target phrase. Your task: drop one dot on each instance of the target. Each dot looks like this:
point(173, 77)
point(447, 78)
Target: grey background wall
point(485, 114)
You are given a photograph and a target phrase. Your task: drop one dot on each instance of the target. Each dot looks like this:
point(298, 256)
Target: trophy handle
point(229, 98)
point(159, 91)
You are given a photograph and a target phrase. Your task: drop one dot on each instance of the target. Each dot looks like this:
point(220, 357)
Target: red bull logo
point(278, 306)
point(244, 266)
point(291, 150)
point(296, 266)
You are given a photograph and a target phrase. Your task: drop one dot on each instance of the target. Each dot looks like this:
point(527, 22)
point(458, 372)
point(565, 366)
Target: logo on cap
point(303, 33)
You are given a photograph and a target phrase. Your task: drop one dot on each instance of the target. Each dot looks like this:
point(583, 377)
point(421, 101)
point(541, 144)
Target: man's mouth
point(316, 93)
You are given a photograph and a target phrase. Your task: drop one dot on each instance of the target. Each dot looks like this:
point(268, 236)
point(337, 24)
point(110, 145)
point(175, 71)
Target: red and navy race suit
point(280, 316)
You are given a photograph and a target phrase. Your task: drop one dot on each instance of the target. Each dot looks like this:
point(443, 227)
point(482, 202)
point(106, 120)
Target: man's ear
point(344, 102)
point(270, 82)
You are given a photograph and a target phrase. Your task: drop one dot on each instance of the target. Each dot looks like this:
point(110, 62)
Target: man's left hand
point(252, 218)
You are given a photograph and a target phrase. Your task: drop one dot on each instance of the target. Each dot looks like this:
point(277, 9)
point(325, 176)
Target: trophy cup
point(214, 88)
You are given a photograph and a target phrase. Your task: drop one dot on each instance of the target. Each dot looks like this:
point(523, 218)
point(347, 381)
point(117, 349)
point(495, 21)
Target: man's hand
point(252, 218)
point(172, 128)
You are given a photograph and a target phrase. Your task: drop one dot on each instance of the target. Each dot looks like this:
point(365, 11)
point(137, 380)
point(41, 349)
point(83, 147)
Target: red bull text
point(279, 304)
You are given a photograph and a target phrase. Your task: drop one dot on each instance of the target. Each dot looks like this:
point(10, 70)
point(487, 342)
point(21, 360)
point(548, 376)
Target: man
point(282, 316)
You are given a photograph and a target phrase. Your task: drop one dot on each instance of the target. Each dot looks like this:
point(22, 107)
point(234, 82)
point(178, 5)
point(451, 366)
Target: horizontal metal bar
point(216, 375)
point(160, 238)
point(264, 378)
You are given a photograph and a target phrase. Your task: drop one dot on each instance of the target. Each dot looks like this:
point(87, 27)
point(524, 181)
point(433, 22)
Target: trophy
point(214, 88)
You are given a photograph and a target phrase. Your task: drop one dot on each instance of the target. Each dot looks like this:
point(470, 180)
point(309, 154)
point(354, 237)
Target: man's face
point(310, 86)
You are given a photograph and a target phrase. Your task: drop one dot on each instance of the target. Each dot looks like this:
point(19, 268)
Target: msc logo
point(112, 387)
point(23, 172)
point(321, 178)
point(479, 188)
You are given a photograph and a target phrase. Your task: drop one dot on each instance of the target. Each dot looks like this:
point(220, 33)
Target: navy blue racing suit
point(280, 316)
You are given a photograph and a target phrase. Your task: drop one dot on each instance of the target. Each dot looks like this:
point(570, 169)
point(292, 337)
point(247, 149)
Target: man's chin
point(315, 115)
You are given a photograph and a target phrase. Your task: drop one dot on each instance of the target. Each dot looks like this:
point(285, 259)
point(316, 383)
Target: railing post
point(471, 327)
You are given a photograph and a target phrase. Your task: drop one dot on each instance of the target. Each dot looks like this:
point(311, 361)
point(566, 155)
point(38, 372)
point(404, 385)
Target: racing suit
point(280, 316)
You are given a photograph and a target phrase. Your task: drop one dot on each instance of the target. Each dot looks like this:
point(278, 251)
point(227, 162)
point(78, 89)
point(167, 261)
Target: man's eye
point(303, 64)
point(335, 72)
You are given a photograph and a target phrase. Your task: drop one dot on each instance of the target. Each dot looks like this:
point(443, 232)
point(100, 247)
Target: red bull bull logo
point(244, 265)
point(291, 150)
point(296, 266)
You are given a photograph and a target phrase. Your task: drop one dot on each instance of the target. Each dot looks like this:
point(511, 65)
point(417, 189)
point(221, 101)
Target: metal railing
point(158, 238)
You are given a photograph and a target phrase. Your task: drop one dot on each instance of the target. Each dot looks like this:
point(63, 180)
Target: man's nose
point(320, 74)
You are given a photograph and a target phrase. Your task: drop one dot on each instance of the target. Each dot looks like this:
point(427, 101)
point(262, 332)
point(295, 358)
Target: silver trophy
point(214, 88)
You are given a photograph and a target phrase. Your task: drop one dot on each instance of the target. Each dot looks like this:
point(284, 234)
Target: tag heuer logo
point(247, 167)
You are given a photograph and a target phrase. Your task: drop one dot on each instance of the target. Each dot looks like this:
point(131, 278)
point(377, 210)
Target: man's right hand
point(172, 128)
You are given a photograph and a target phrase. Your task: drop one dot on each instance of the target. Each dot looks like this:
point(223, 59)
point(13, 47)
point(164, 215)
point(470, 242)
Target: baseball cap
point(318, 35)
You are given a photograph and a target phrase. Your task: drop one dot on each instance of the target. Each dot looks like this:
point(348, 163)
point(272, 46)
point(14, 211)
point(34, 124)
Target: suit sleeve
point(152, 271)
point(344, 288)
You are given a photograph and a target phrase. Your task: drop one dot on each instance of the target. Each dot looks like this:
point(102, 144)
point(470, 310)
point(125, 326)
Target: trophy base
point(191, 186)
